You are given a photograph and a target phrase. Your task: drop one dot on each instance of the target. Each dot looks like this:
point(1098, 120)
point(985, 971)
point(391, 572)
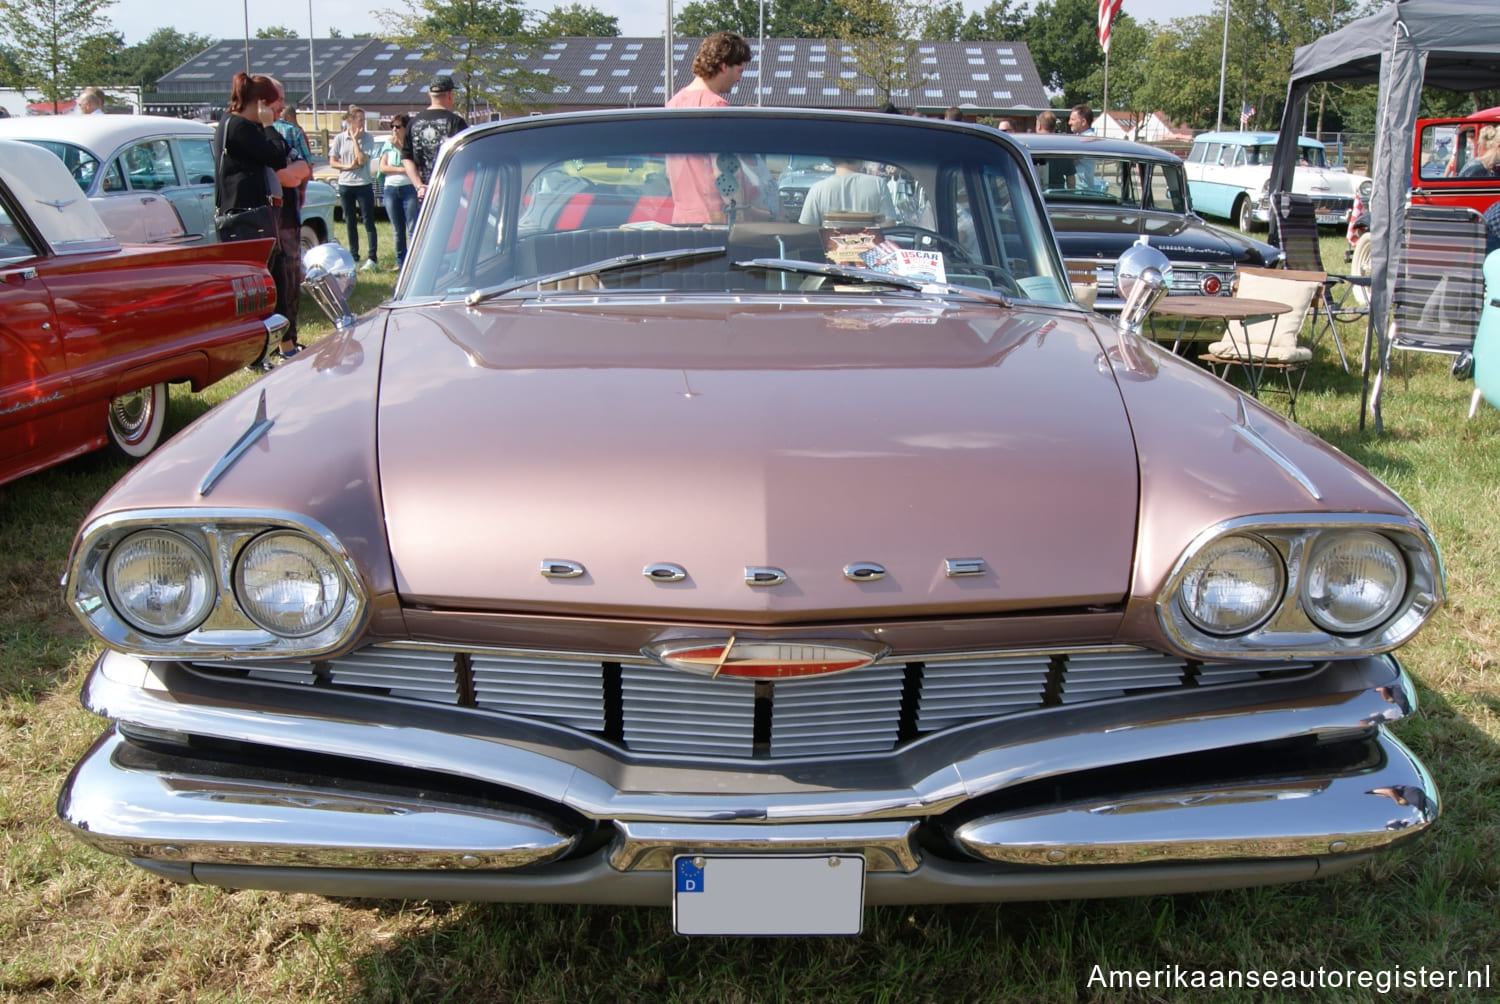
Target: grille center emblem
point(756, 659)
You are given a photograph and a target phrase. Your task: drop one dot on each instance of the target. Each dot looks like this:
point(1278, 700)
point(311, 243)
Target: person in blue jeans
point(352, 153)
point(400, 193)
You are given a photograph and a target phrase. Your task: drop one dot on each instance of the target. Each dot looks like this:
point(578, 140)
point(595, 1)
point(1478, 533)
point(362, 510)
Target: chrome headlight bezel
point(1290, 631)
point(228, 630)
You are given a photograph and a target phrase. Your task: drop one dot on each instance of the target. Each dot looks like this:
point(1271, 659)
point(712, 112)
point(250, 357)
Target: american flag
point(1108, 9)
point(1246, 111)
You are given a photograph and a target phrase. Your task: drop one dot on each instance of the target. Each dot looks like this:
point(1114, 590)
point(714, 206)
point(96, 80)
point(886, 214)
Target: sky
point(136, 19)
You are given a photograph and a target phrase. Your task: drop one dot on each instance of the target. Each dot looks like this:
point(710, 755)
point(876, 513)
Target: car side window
point(1211, 155)
point(13, 244)
point(197, 161)
point(114, 178)
point(149, 166)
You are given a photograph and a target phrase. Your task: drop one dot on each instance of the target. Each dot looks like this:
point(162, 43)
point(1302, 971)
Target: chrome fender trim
point(921, 781)
point(223, 817)
point(1302, 817)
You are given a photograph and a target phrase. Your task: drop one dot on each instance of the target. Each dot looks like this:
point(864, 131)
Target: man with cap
point(426, 132)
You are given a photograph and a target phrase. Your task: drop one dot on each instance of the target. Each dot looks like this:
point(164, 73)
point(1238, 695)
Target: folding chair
point(1272, 343)
point(1439, 285)
point(1084, 277)
point(1297, 232)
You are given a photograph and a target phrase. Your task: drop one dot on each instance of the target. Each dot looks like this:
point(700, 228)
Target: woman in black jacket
point(245, 146)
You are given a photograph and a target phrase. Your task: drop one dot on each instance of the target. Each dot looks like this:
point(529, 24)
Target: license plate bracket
point(757, 894)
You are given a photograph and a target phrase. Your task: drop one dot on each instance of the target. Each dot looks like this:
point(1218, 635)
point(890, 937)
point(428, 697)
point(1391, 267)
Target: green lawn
point(77, 925)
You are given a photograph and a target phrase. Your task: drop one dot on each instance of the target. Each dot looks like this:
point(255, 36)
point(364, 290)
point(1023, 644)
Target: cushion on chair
point(1273, 340)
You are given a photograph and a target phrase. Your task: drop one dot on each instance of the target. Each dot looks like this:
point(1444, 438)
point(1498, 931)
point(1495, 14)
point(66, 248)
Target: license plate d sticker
point(823, 894)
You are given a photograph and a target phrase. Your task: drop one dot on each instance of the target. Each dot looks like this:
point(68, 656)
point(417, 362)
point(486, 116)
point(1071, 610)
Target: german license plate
point(813, 894)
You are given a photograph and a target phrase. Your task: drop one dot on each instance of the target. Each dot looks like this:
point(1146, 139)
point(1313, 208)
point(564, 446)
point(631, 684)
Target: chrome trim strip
point(1303, 817)
point(259, 426)
point(1253, 437)
point(924, 778)
point(886, 845)
point(221, 815)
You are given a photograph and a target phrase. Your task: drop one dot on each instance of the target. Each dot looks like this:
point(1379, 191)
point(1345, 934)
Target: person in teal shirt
point(400, 194)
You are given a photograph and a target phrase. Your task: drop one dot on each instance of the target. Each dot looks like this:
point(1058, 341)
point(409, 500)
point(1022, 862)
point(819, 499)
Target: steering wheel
point(923, 239)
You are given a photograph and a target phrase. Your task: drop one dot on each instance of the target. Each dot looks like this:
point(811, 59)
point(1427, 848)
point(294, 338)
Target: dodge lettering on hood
point(654, 545)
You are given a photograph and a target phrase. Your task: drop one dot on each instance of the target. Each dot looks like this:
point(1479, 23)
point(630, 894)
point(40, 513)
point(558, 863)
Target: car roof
point(1096, 146)
point(1251, 138)
point(50, 196)
point(100, 134)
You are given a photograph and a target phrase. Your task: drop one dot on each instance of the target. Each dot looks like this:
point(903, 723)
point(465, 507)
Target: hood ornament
point(755, 659)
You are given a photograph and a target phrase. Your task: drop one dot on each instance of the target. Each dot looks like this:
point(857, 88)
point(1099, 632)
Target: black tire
point(1243, 216)
point(137, 421)
point(309, 238)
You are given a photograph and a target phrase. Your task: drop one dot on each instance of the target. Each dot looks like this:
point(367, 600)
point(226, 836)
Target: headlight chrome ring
point(1354, 581)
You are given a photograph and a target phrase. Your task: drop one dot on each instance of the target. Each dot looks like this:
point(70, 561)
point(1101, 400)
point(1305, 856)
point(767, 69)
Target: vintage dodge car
point(709, 559)
point(1103, 195)
point(126, 162)
point(92, 332)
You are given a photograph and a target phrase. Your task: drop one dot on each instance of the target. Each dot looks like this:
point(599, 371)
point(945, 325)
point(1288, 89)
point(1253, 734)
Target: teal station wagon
point(1229, 175)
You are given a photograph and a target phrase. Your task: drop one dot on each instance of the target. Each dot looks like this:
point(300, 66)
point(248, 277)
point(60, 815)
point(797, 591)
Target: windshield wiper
point(596, 268)
point(868, 275)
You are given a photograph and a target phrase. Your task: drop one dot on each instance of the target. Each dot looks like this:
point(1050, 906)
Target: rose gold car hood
point(719, 437)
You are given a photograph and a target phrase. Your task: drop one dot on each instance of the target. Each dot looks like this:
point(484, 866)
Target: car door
point(34, 380)
point(196, 207)
point(150, 167)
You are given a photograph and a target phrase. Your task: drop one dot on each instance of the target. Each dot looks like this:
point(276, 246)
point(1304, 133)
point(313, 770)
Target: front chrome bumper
point(527, 821)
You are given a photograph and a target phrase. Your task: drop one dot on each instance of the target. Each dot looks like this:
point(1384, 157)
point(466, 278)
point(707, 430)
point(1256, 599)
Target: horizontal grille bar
point(667, 711)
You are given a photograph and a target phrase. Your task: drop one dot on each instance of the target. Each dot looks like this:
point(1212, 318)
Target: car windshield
point(687, 201)
point(1112, 181)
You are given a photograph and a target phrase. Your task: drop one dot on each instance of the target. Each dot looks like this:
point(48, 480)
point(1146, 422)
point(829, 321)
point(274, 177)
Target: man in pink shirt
point(717, 67)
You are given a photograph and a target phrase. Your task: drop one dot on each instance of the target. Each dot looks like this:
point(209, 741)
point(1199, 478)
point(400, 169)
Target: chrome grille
point(1094, 676)
point(420, 675)
point(568, 692)
point(1187, 277)
point(666, 711)
point(961, 690)
point(857, 712)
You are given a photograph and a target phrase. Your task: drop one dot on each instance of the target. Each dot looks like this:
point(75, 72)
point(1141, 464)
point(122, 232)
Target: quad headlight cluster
point(1314, 586)
point(193, 584)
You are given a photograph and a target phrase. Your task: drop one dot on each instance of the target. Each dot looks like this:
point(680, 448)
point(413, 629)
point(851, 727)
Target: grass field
point(79, 926)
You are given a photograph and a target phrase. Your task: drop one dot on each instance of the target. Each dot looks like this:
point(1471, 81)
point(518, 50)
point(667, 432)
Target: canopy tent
point(1453, 44)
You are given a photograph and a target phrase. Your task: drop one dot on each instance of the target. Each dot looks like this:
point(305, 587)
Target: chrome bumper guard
point(203, 817)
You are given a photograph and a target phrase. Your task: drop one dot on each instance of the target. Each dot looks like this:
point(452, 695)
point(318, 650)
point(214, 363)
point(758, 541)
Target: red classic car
point(698, 556)
point(91, 332)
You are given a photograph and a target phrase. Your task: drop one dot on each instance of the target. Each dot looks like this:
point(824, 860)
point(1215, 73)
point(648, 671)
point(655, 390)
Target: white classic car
point(126, 162)
point(1229, 177)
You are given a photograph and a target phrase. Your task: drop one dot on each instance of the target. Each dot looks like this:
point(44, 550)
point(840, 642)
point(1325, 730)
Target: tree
point(275, 31)
point(55, 43)
point(1064, 42)
point(162, 51)
point(483, 40)
point(880, 37)
point(578, 21)
point(996, 23)
point(702, 18)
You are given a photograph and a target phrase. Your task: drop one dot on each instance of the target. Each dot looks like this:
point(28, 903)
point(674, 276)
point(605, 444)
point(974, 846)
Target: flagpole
point(1105, 112)
point(1223, 64)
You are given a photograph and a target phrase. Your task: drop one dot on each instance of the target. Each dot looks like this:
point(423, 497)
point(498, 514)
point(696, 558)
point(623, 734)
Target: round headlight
point(1354, 581)
point(159, 582)
point(1232, 585)
point(288, 584)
